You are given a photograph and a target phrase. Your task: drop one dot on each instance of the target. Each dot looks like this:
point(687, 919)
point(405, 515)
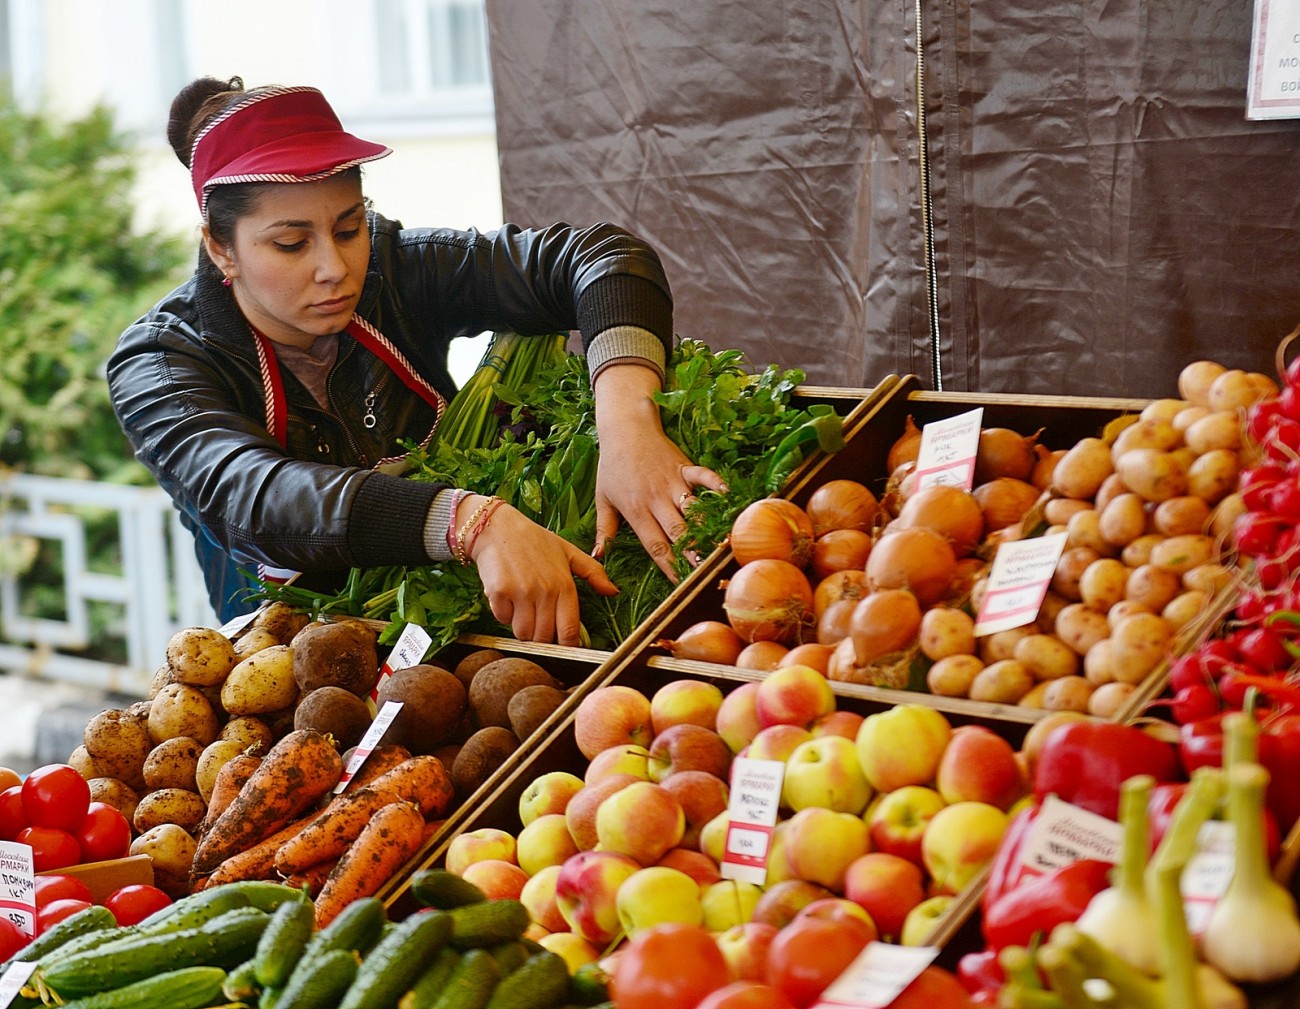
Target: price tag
point(1022, 571)
point(236, 624)
point(369, 741)
point(409, 650)
point(752, 812)
point(1208, 872)
point(877, 976)
point(1273, 79)
point(948, 449)
point(18, 886)
point(11, 983)
point(1064, 833)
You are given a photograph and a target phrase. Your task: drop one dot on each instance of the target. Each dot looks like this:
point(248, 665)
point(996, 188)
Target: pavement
point(41, 721)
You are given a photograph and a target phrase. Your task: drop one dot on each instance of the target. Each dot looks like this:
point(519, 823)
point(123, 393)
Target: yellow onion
point(906, 447)
point(705, 641)
point(835, 622)
point(898, 488)
point(883, 622)
point(772, 528)
point(812, 653)
point(839, 550)
point(762, 656)
point(920, 560)
point(1005, 501)
point(1041, 476)
point(1004, 452)
point(946, 509)
point(769, 600)
point(842, 504)
point(836, 586)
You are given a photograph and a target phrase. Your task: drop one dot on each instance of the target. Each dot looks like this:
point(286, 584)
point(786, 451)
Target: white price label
point(17, 885)
point(1273, 78)
point(369, 741)
point(752, 812)
point(1063, 833)
point(409, 651)
point(11, 983)
point(1208, 872)
point(947, 451)
point(877, 976)
point(1021, 573)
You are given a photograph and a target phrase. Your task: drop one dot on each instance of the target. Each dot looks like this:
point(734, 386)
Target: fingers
point(593, 573)
point(702, 476)
point(607, 520)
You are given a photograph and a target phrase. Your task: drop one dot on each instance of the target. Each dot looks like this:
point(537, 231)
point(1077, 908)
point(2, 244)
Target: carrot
point(389, 841)
point(423, 780)
point(332, 829)
point(296, 771)
point(383, 758)
point(257, 862)
point(313, 877)
point(229, 780)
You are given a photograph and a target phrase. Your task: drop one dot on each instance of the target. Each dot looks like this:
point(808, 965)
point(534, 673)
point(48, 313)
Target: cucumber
point(323, 986)
point(241, 983)
point(224, 942)
point(192, 910)
point(541, 983)
point(510, 955)
point(95, 918)
point(443, 889)
point(394, 964)
point(471, 984)
point(487, 923)
point(355, 930)
point(590, 984)
point(183, 988)
point(282, 943)
point(266, 894)
point(430, 984)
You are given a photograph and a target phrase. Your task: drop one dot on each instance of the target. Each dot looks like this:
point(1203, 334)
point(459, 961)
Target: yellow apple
point(902, 745)
point(824, 771)
point(958, 841)
point(642, 821)
point(476, 845)
point(656, 895)
point(745, 948)
point(538, 895)
point(547, 793)
point(713, 836)
point(921, 921)
point(685, 702)
point(573, 949)
point(545, 841)
point(625, 758)
point(729, 902)
point(821, 843)
point(897, 819)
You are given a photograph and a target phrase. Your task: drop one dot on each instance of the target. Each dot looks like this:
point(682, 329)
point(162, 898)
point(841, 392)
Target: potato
point(1034, 699)
point(83, 763)
point(1186, 607)
point(1188, 416)
point(116, 793)
point(248, 730)
point(1103, 584)
point(1051, 606)
point(1157, 433)
point(1002, 682)
point(1124, 608)
point(1137, 645)
point(1081, 627)
point(1079, 473)
point(1123, 520)
point(118, 742)
point(200, 656)
point(211, 760)
point(182, 710)
point(1213, 476)
point(1109, 699)
point(1138, 552)
point(171, 849)
point(1225, 514)
point(1068, 693)
point(1195, 380)
point(1209, 578)
point(953, 675)
point(1153, 474)
point(1111, 488)
point(179, 806)
point(162, 676)
point(281, 620)
point(1084, 530)
point(1059, 510)
point(1182, 516)
point(1070, 568)
point(173, 763)
point(1220, 429)
point(1046, 656)
point(1162, 409)
point(254, 640)
point(1152, 586)
point(262, 682)
point(1096, 663)
point(946, 631)
point(1180, 554)
point(1002, 644)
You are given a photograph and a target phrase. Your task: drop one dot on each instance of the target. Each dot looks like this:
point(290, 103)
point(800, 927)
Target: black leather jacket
point(186, 387)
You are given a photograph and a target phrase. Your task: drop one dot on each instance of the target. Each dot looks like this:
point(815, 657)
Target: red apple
point(839, 909)
point(641, 821)
point(688, 747)
point(793, 695)
point(702, 797)
point(580, 812)
point(737, 720)
point(887, 886)
point(499, 879)
point(841, 722)
point(586, 892)
point(745, 946)
point(695, 864)
point(978, 765)
point(611, 715)
point(777, 742)
point(476, 845)
point(781, 901)
point(897, 820)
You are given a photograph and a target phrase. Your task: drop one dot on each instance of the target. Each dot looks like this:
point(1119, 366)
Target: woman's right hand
point(527, 574)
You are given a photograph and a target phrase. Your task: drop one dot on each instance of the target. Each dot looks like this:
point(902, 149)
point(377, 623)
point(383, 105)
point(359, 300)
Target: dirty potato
point(262, 682)
point(171, 849)
point(181, 710)
point(173, 763)
point(281, 620)
point(118, 742)
point(116, 793)
point(211, 760)
point(248, 730)
point(169, 805)
point(200, 656)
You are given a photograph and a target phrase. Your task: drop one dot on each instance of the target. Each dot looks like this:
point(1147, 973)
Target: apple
point(713, 836)
point(897, 820)
point(782, 901)
point(497, 878)
point(840, 722)
point(729, 902)
point(545, 841)
point(981, 766)
point(777, 742)
point(586, 892)
point(702, 796)
point(902, 745)
point(887, 886)
point(538, 895)
point(959, 840)
point(737, 720)
point(685, 702)
point(611, 715)
point(839, 909)
point(794, 695)
point(821, 843)
point(824, 771)
point(922, 920)
point(778, 860)
point(580, 813)
point(476, 845)
point(642, 820)
point(655, 895)
point(745, 947)
point(695, 864)
point(626, 758)
point(688, 747)
point(547, 793)
point(573, 949)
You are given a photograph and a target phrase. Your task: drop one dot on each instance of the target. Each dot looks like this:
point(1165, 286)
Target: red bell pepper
point(1037, 905)
point(980, 972)
point(1086, 762)
point(1201, 744)
point(1006, 868)
point(1164, 800)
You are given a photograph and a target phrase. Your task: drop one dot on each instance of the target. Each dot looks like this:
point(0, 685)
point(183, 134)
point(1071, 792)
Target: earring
point(225, 281)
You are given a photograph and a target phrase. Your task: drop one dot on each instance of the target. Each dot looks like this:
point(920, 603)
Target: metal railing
point(155, 589)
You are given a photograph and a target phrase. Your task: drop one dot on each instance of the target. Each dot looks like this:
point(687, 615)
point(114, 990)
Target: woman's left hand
point(642, 476)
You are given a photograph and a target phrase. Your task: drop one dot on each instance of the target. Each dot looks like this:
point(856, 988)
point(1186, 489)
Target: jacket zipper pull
point(369, 419)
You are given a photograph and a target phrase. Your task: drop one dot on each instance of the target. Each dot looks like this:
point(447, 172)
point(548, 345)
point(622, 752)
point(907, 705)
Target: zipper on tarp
point(927, 209)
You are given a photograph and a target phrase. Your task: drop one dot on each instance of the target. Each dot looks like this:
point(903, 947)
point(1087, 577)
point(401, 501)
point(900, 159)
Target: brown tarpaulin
point(1102, 210)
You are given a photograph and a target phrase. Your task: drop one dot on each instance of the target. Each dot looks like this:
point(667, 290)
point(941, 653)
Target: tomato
point(12, 817)
point(934, 988)
point(104, 833)
point(9, 777)
point(809, 953)
point(12, 939)
point(56, 795)
point(51, 848)
point(745, 995)
point(135, 902)
point(669, 966)
point(57, 886)
point(56, 910)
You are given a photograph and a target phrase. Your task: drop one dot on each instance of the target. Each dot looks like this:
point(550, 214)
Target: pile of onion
point(769, 600)
point(952, 511)
point(772, 528)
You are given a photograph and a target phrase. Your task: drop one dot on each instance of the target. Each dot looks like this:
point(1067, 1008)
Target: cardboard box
point(104, 877)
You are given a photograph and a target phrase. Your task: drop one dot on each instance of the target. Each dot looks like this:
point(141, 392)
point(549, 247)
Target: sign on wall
point(1273, 91)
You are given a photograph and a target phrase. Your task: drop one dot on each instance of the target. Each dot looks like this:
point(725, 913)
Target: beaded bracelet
point(481, 525)
point(457, 496)
point(463, 540)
